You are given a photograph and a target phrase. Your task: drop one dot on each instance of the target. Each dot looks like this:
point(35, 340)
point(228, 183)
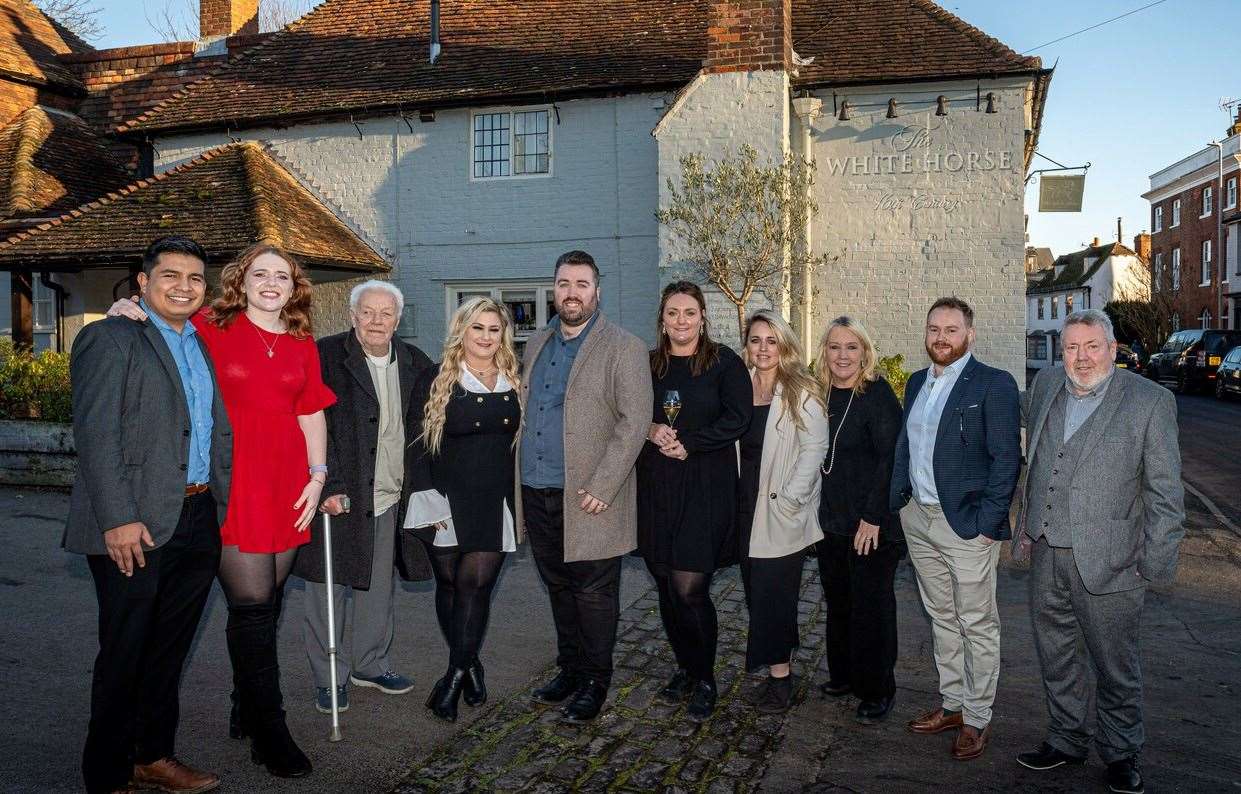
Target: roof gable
point(371, 55)
point(30, 42)
point(227, 198)
point(1075, 269)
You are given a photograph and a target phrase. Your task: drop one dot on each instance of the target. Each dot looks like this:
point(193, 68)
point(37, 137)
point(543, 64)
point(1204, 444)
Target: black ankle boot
point(445, 706)
point(702, 701)
point(236, 726)
point(475, 692)
point(251, 634)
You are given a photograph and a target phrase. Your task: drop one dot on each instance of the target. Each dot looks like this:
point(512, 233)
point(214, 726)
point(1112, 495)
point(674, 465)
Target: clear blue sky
point(1130, 97)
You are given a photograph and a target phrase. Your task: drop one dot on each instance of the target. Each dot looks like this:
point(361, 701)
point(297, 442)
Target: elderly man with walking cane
point(1104, 516)
point(370, 429)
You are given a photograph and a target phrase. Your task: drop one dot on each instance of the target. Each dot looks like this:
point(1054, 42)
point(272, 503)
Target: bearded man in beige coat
point(586, 406)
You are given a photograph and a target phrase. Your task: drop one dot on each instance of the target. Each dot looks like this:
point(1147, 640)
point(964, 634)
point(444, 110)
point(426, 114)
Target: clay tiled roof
point(50, 162)
point(227, 198)
point(30, 42)
point(362, 56)
point(1075, 272)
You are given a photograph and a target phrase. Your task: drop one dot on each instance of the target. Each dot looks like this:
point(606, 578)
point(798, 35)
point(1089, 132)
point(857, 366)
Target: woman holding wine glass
point(687, 476)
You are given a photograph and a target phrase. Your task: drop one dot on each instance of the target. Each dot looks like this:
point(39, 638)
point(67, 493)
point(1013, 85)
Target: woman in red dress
point(267, 367)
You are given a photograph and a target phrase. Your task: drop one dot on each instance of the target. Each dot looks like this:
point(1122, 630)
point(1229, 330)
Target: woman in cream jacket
point(778, 497)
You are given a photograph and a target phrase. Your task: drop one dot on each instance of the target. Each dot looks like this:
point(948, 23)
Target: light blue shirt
point(542, 436)
point(924, 426)
point(1080, 407)
point(198, 388)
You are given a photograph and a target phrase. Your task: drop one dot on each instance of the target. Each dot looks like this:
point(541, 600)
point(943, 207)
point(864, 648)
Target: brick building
point(545, 125)
point(1195, 239)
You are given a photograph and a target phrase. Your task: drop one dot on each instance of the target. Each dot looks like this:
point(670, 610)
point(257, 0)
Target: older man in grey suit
point(154, 462)
point(1103, 517)
point(586, 408)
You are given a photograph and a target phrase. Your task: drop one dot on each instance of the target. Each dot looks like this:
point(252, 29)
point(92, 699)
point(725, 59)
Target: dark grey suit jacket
point(131, 428)
point(1126, 503)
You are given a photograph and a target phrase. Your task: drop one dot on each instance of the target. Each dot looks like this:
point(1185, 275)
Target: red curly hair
point(232, 300)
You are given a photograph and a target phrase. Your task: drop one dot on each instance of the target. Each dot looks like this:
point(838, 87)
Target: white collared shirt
point(923, 427)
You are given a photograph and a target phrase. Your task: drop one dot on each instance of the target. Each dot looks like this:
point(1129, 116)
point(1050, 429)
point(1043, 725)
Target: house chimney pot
point(435, 31)
point(749, 36)
point(218, 19)
point(1235, 129)
point(1095, 244)
point(1142, 246)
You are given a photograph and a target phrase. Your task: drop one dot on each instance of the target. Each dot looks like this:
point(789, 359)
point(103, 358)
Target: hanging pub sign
point(1061, 193)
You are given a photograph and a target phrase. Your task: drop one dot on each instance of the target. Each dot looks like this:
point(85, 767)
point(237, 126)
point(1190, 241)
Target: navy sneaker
point(388, 682)
point(323, 699)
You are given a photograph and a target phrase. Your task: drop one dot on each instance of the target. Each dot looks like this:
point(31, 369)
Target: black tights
point(463, 585)
point(689, 619)
point(254, 579)
point(254, 588)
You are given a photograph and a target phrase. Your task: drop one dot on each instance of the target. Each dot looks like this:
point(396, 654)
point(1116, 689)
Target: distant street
point(1211, 450)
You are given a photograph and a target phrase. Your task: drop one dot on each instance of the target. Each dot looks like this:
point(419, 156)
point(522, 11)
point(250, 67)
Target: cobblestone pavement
point(639, 743)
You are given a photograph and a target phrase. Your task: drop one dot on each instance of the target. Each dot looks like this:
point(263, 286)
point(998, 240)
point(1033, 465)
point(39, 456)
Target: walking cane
point(334, 736)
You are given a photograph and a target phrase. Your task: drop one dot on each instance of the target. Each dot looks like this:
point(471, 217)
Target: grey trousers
point(1064, 615)
point(370, 614)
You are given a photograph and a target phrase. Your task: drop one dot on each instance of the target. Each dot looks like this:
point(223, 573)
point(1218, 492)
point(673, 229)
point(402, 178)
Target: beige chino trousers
point(956, 579)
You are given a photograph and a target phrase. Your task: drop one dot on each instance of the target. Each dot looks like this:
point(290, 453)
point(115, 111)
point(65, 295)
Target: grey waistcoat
point(1051, 474)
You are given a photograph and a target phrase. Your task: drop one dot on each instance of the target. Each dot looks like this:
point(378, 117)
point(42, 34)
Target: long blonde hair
point(866, 372)
point(795, 381)
point(450, 367)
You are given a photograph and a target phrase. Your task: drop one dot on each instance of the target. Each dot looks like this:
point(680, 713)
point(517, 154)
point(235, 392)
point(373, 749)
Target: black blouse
point(865, 447)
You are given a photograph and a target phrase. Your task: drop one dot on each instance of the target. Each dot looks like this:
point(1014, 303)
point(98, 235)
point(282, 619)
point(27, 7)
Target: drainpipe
point(806, 108)
point(1217, 207)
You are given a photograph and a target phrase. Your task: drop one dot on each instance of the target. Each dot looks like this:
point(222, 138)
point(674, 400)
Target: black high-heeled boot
point(251, 637)
point(475, 692)
point(445, 706)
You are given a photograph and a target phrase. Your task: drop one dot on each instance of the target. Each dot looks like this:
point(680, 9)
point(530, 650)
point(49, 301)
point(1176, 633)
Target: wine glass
point(672, 405)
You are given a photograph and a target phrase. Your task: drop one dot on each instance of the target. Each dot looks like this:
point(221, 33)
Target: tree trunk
point(740, 323)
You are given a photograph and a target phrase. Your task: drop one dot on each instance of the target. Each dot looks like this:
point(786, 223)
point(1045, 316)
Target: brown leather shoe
point(970, 742)
point(935, 722)
point(169, 774)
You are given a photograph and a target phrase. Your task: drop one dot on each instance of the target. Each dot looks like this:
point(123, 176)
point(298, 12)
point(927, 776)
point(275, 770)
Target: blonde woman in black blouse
point(863, 541)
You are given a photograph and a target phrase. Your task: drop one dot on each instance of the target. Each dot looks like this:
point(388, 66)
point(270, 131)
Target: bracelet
point(318, 468)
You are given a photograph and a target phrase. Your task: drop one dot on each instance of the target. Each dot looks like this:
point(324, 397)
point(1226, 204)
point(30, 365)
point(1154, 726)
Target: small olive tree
point(740, 224)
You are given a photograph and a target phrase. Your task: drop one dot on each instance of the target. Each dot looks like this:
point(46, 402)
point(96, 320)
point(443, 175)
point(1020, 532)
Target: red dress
point(263, 397)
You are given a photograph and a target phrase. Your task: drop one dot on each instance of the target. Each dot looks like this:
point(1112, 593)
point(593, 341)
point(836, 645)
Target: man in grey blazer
point(586, 406)
point(154, 455)
point(1103, 516)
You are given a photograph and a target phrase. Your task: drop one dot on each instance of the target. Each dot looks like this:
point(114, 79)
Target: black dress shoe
point(449, 692)
point(557, 689)
point(778, 695)
point(835, 689)
point(587, 702)
point(1123, 777)
point(872, 711)
point(702, 701)
point(1047, 757)
point(475, 693)
point(677, 689)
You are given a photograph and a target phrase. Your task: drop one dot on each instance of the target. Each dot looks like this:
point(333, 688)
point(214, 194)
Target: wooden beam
point(21, 283)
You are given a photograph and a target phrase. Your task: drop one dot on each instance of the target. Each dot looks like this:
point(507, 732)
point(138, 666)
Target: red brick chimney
point(219, 18)
point(749, 36)
point(1142, 246)
point(1235, 129)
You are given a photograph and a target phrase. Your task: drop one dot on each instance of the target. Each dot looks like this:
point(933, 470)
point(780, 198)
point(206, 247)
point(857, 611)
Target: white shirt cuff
point(426, 508)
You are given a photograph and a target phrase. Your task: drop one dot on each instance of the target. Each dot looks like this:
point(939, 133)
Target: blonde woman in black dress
point(463, 506)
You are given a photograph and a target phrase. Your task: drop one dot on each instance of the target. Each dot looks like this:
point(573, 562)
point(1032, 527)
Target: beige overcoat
point(607, 413)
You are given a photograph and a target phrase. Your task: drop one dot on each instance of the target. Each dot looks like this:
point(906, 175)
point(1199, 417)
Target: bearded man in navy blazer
point(957, 460)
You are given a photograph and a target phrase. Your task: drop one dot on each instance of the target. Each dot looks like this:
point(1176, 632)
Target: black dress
point(687, 508)
point(864, 446)
point(751, 463)
point(475, 465)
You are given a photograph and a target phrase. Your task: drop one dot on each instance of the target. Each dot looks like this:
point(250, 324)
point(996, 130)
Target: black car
point(1126, 358)
point(1188, 360)
point(1228, 376)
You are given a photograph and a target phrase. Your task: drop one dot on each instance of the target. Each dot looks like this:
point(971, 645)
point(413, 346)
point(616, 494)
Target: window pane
point(531, 142)
point(491, 143)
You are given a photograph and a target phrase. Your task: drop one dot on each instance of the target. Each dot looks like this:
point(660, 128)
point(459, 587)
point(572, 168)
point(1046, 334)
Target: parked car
point(1228, 376)
point(1188, 360)
point(1126, 358)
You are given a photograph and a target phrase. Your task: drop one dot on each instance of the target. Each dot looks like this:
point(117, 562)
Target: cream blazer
point(786, 513)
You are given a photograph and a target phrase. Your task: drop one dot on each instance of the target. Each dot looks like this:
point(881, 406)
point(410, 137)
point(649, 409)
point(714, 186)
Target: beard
point(574, 313)
point(943, 357)
point(1089, 383)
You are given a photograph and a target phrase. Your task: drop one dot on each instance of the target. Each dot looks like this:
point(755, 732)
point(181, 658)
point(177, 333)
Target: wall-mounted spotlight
point(991, 102)
point(845, 107)
point(892, 108)
point(941, 105)
point(426, 116)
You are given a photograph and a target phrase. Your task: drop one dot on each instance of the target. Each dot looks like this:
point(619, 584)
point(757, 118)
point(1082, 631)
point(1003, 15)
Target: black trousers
point(146, 625)
point(585, 595)
point(861, 614)
point(772, 589)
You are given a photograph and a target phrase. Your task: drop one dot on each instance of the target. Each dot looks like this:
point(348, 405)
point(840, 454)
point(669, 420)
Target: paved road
point(1211, 450)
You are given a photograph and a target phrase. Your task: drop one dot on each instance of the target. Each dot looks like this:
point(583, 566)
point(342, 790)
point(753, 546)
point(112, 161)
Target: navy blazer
point(977, 453)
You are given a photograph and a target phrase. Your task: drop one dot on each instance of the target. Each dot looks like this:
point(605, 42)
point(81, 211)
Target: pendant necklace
point(271, 349)
point(831, 463)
